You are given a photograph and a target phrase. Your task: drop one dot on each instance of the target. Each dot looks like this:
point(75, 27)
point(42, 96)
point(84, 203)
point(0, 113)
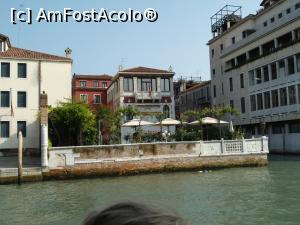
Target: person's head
point(132, 213)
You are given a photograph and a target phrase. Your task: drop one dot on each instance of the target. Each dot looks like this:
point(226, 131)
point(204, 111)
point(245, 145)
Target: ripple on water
point(267, 195)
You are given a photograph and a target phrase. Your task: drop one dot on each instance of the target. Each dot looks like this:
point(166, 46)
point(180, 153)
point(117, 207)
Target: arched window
point(166, 111)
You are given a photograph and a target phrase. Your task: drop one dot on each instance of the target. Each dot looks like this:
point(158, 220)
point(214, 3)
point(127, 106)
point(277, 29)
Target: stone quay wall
point(115, 160)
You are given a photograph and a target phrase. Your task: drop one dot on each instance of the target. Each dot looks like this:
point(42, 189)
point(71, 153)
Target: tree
point(72, 123)
point(220, 112)
point(110, 121)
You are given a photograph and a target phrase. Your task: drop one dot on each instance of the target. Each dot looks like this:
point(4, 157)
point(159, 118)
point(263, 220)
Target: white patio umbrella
point(169, 122)
point(209, 120)
point(136, 123)
point(231, 129)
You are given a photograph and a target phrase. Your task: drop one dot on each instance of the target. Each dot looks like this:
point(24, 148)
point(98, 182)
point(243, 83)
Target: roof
point(143, 70)
point(2, 36)
point(20, 53)
point(202, 84)
point(98, 77)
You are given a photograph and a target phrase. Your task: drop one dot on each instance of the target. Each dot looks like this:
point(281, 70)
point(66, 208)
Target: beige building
point(196, 97)
point(148, 89)
point(24, 75)
point(255, 67)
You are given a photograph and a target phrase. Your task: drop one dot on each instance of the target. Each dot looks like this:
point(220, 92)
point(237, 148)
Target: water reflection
point(267, 195)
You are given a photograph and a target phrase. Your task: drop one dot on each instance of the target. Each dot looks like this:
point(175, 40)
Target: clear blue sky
point(178, 38)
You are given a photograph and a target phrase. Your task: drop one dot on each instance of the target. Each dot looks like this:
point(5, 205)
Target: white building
point(149, 90)
point(24, 75)
point(255, 67)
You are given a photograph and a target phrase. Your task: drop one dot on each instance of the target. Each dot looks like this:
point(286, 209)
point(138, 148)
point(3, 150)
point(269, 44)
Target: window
point(298, 87)
point(22, 70)
point(265, 23)
point(231, 103)
point(282, 68)
point(279, 15)
point(214, 72)
point(292, 95)
point(272, 20)
point(128, 84)
point(243, 105)
point(104, 84)
point(149, 84)
point(297, 6)
point(253, 103)
point(291, 65)
point(260, 104)
point(222, 88)
point(215, 91)
point(5, 98)
point(230, 84)
point(267, 100)
point(165, 84)
point(294, 127)
point(82, 83)
point(288, 11)
point(275, 100)
point(233, 40)
point(276, 128)
point(283, 97)
point(266, 73)
point(4, 129)
point(221, 47)
point(212, 53)
point(84, 98)
point(242, 80)
point(251, 78)
point(273, 71)
point(21, 126)
point(258, 76)
point(1, 46)
point(21, 99)
point(298, 62)
point(5, 70)
point(96, 83)
point(97, 99)
point(166, 111)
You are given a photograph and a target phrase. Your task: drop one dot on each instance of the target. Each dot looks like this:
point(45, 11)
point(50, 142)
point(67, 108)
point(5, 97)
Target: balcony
point(148, 95)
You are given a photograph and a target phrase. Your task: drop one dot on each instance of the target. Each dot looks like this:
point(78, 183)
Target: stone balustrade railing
point(72, 156)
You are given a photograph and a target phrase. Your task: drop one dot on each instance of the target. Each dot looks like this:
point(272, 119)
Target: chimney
point(68, 52)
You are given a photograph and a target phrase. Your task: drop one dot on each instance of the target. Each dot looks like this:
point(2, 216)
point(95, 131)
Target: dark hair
point(132, 213)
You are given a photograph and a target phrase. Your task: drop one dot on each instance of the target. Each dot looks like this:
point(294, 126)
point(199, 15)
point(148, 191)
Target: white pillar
point(44, 145)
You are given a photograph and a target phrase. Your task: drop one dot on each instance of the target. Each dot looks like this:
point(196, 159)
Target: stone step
point(12, 172)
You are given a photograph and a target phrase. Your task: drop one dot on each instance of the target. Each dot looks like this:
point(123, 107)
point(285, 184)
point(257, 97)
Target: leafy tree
point(72, 123)
point(220, 112)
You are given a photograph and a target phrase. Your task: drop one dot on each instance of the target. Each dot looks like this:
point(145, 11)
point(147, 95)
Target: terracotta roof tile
point(202, 84)
point(103, 76)
point(20, 53)
point(144, 70)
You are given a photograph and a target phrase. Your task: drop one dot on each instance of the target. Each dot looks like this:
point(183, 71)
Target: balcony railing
point(147, 95)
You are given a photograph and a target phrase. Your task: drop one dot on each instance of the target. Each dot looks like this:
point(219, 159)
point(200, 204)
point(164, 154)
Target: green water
point(269, 195)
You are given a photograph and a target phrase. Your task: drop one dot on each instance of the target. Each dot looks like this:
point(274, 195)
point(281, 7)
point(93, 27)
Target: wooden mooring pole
point(20, 158)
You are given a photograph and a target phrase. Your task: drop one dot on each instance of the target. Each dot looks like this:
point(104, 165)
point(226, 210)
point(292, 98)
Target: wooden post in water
point(20, 157)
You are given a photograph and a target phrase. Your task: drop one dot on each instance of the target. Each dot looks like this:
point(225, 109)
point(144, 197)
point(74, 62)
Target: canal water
point(239, 196)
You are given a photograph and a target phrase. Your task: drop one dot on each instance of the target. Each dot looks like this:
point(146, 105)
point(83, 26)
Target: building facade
point(91, 89)
point(255, 67)
point(180, 86)
point(195, 98)
point(149, 90)
point(25, 75)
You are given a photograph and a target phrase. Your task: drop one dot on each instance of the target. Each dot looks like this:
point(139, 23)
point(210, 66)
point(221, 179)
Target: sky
point(178, 38)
